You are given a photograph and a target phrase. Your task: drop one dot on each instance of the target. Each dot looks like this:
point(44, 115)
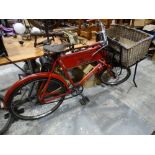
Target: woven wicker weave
point(133, 43)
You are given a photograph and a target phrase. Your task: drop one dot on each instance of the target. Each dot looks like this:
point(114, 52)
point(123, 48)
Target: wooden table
point(17, 53)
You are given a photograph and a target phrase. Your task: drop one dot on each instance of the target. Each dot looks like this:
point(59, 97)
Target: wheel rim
point(114, 76)
point(25, 102)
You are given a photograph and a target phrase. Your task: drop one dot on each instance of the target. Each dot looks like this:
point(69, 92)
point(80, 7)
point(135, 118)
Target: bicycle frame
point(68, 61)
point(73, 60)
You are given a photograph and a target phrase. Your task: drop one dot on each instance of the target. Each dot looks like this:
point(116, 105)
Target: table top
point(18, 53)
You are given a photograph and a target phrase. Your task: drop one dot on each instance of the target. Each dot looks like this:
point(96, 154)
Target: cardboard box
point(92, 81)
point(142, 22)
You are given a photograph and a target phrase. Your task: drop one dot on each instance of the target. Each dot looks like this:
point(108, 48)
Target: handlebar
point(102, 33)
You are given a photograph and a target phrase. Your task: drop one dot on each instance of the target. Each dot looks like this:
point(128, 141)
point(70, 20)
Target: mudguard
point(31, 77)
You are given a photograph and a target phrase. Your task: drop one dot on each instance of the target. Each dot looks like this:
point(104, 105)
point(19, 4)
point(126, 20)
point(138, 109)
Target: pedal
point(6, 116)
point(84, 100)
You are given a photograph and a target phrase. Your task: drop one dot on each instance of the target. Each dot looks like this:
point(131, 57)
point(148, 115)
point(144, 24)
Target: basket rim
point(136, 43)
point(149, 36)
point(135, 29)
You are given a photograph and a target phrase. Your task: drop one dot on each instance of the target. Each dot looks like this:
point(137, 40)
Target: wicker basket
point(133, 44)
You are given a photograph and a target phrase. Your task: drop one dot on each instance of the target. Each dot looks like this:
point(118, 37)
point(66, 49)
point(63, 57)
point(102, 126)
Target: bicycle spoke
point(119, 75)
point(29, 101)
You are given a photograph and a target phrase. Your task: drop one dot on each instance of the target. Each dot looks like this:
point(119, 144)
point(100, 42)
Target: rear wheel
point(114, 76)
point(6, 119)
point(25, 104)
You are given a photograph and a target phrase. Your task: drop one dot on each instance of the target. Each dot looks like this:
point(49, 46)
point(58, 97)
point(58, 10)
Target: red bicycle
point(39, 95)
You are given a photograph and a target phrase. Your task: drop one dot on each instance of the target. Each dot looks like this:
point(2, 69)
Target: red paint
point(94, 70)
point(82, 57)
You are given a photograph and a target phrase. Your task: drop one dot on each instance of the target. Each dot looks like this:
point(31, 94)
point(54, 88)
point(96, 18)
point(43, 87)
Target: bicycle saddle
point(56, 48)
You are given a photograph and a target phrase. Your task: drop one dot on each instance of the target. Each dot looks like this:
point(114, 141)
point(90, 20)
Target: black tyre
point(24, 102)
point(6, 119)
point(114, 76)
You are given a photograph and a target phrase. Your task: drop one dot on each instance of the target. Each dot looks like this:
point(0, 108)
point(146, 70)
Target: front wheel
point(114, 76)
point(25, 104)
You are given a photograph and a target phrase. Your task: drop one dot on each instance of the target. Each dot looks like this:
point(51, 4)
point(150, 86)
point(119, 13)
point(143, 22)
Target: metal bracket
point(134, 77)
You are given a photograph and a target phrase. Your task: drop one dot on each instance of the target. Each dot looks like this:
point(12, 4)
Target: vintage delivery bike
point(40, 94)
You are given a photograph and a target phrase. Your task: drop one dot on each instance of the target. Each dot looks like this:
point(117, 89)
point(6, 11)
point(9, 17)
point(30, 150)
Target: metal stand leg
point(134, 77)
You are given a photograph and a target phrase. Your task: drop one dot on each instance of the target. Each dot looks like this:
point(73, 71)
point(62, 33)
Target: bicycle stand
point(134, 76)
point(120, 60)
point(135, 70)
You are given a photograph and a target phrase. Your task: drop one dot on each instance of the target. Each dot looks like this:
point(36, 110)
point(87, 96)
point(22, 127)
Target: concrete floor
point(122, 109)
